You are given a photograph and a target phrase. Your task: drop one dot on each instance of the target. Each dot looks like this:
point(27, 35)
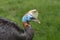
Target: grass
point(49, 15)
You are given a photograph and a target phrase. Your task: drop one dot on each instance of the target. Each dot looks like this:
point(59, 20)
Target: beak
point(36, 20)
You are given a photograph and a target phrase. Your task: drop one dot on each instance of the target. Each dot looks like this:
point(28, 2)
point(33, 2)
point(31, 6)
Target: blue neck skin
point(26, 19)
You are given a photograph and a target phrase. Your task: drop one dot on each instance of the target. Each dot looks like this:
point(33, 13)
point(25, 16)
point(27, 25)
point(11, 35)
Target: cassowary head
point(32, 15)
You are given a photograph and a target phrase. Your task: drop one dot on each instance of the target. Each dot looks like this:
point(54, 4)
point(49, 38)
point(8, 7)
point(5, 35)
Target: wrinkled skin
point(11, 31)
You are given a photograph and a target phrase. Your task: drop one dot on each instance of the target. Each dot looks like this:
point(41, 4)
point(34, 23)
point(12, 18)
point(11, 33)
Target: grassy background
point(49, 15)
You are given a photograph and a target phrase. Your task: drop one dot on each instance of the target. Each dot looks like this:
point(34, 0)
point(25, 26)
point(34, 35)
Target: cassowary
point(9, 30)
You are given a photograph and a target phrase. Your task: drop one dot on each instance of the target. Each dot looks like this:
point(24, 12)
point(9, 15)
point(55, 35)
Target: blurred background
point(49, 16)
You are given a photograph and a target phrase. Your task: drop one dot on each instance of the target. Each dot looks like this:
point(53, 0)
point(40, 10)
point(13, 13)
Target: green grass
point(49, 15)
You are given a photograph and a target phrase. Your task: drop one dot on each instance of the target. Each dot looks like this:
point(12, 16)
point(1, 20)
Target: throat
point(26, 24)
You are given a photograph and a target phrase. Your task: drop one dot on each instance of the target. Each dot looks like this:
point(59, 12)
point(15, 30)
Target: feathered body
point(11, 31)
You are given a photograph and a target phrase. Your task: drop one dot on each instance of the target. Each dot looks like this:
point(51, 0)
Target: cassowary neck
point(28, 32)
